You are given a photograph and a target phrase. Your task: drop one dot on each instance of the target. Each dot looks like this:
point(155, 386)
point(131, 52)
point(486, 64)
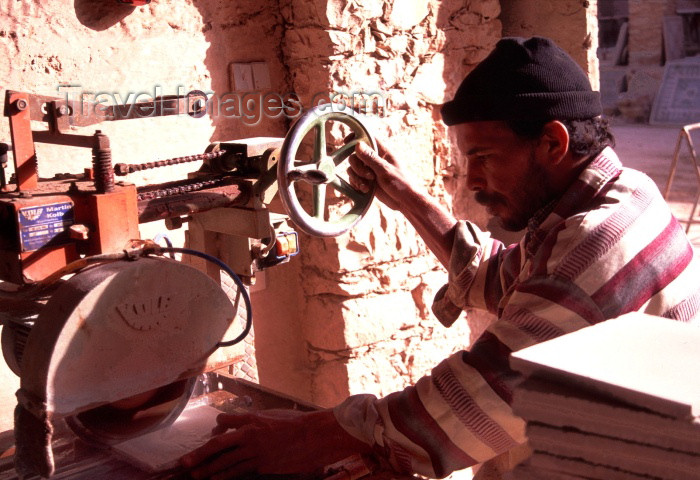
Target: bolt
point(79, 232)
point(63, 110)
point(21, 104)
point(173, 223)
point(121, 169)
point(102, 163)
point(4, 148)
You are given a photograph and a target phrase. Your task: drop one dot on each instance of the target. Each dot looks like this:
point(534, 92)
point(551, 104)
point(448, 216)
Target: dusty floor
point(651, 149)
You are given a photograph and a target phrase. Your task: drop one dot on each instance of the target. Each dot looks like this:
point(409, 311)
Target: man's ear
point(554, 142)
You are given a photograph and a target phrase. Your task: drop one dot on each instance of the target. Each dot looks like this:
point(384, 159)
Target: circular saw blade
point(132, 417)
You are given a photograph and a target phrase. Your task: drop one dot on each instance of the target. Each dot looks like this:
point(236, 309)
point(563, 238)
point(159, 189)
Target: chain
point(122, 169)
point(180, 189)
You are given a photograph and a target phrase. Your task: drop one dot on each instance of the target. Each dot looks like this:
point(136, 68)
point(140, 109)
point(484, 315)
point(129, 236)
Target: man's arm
point(272, 442)
point(393, 187)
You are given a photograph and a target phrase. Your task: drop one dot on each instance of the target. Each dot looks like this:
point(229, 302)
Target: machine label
point(43, 224)
point(146, 313)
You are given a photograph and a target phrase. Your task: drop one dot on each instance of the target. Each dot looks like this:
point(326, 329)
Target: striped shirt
point(608, 246)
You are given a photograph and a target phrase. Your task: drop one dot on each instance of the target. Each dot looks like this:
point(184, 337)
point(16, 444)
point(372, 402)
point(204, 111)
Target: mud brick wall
point(573, 24)
point(365, 323)
point(645, 41)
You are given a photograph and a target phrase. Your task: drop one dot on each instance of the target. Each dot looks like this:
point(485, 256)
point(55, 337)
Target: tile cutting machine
point(108, 330)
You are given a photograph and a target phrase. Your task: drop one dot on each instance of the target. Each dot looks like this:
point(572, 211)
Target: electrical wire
point(144, 248)
point(37, 287)
point(168, 242)
point(236, 279)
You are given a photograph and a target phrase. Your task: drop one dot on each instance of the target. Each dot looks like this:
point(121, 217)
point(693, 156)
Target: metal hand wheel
point(321, 172)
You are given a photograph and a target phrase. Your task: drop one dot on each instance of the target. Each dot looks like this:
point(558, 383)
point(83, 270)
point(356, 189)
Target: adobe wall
point(573, 24)
point(367, 325)
point(645, 38)
point(645, 47)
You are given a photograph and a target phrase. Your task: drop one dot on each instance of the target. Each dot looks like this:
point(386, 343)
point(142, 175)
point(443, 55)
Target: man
point(600, 242)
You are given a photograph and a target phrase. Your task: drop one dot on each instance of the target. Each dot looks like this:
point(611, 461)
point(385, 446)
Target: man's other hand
point(271, 442)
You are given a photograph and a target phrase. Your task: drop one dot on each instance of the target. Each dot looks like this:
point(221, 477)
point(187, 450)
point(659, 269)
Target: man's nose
point(475, 176)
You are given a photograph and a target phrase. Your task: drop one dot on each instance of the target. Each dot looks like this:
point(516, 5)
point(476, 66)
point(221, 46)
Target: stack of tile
point(618, 400)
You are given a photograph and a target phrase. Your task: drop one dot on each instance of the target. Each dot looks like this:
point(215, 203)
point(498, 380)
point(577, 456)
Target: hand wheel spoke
point(320, 142)
point(319, 198)
point(343, 152)
point(346, 189)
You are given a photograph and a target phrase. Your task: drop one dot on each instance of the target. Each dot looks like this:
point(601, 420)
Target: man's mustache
point(489, 199)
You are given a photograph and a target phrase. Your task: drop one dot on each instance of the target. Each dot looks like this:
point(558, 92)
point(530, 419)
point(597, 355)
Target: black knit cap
point(524, 79)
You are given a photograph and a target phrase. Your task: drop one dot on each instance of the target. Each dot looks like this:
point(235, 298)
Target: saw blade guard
point(117, 345)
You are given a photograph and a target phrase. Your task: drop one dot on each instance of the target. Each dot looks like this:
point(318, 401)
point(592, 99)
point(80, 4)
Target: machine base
point(75, 459)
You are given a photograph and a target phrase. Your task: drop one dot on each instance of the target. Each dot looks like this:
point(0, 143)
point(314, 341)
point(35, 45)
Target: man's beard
point(533, 195)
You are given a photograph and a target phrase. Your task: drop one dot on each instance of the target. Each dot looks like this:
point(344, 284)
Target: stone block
point(473, 55)
point(309, 80)
point(488, 9)
point(454, 11)
point(636, 102)
point(401, 360)
point(311, 43)
point(406, 14)
point(475, 36)
point(212, 11)
point(306, 13)
point(357, 74)
point(330, 384)
point(429, 82)
point(391, 72)
point(340, 15)
point(467, 19)
point(397, 44)
point(378, 317)
point(323, 323)
point(646, 32)
point(384, 236)
point(344, 42)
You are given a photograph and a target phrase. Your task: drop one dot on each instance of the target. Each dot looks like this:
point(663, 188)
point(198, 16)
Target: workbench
point(77, 460)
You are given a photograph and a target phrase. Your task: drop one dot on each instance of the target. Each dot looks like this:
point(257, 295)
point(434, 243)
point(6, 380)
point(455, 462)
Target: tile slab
point(614, 453)
point(525, 471)
point(577, 466)
point(161, 450)
point(647, 361)
point(562, 406)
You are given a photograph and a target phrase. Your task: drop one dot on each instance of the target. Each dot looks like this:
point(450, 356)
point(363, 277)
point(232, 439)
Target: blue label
point(45, 224)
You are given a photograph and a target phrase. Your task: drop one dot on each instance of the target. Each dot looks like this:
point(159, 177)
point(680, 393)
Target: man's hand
point(272, 442)
point(433, 222)
point(368, 165)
